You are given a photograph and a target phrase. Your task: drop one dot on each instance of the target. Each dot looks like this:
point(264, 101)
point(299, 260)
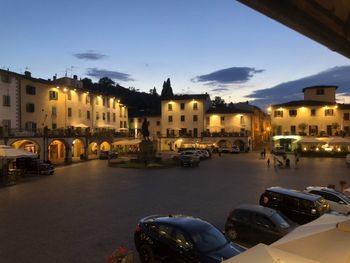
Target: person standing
point(268, 162)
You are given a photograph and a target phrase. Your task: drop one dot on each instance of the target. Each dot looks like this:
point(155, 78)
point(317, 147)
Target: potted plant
point(120, 255)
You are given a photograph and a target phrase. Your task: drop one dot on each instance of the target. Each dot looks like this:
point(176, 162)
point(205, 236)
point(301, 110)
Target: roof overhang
point(326, 22)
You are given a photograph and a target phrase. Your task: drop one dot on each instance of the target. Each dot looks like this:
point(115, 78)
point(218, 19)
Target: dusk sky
point(220, 47)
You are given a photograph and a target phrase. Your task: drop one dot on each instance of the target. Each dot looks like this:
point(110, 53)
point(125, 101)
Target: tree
point(218, 102)
point(153, 91)
point(167, 91)
point(87, 83)
point(106, 82)
point(302, 126)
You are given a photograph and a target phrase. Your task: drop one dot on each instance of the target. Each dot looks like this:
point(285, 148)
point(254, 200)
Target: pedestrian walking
point(264, 153)
point(268, 162)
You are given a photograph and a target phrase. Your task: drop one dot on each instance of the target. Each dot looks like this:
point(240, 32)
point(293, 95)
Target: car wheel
point(146, 254)
point(231, 233)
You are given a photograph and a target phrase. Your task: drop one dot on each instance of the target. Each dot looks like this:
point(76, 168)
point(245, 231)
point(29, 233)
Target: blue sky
point(220, 47)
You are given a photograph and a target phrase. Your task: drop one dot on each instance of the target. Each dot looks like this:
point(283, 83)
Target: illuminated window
point(170, 107)
point(195, 105)
point(53, 95)
point(242, 120)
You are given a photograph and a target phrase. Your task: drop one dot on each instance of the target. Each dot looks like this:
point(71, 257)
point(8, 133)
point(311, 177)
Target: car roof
point(181, 221)
point(294, 193)
point(257, 208)
point(322, 189)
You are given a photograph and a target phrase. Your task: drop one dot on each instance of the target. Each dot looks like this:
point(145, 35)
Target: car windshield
point(280, 221)
point(345, 197)
point(208, 238)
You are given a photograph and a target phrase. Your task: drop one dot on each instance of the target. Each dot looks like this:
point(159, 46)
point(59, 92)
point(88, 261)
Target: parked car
point(36, 166)
point(108, 155)
point(188, 160)
point(235, 149)
point(257, 224)
point(179, 238)
point(192, 153)
point(298, 206)
point(338, 202)
point(205, 153)
point(226, 149)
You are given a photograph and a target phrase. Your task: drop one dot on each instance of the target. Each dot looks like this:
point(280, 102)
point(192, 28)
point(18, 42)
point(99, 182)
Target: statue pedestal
point(147, 151)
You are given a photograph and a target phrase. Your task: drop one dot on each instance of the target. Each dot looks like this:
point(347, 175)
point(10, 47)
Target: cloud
point(115, 75)
point(292, 90)
point(220, 89)
point(90, 55)
point(228, 76)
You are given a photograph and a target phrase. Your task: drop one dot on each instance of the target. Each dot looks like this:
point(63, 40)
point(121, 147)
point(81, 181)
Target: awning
point(12, 153)
point(265, 254)
point(106, 126)
point(339, 140)
point(326, 239)
point(310, 140)
point(127, 142)
point(80, 125)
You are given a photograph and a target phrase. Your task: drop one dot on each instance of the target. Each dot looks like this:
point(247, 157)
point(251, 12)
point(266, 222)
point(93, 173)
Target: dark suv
point(298, 206)
point(257, 224)
point(178, 238)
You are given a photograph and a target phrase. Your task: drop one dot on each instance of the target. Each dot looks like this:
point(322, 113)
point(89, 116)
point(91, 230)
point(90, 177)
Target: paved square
point(86, 210)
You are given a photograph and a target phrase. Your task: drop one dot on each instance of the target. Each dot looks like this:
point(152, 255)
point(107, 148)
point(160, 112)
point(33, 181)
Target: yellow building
point(58, 119)
point(154, 126)
point(9, 105)
point(184, 115)
point(59, 105)
point(317, 115)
